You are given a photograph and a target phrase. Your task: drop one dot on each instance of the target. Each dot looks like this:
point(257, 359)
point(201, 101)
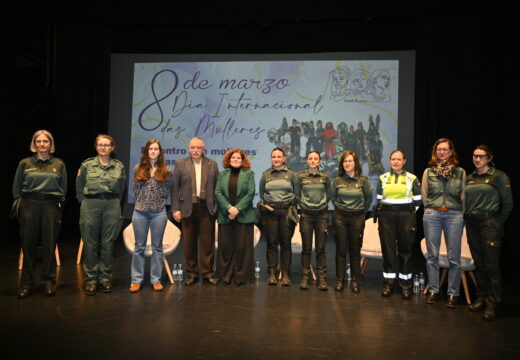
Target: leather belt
point(349, 212)
point(482, 216)
point(40, 196)
point(102, 196)
point(280, 206)
point(441, 208)
point(314, 211)
point(398, 207)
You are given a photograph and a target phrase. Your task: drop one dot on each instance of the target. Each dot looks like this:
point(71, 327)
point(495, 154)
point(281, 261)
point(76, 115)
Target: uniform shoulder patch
point(87, 160)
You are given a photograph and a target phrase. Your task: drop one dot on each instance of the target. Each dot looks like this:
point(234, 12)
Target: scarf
point(444, 169)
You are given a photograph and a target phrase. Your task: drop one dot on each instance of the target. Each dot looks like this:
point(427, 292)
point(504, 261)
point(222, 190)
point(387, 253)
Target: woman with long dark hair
point(152, 186)
point(487, 204)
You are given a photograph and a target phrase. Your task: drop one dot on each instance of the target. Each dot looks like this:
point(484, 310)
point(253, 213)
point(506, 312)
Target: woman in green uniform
point(99, 189)
point(41, 184)
point(352, 197)
point(279, 191)
point(487, 204)
point(314, 218)
point(399, 194)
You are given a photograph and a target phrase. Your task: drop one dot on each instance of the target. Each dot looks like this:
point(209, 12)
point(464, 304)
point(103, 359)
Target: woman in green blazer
point(235, 216)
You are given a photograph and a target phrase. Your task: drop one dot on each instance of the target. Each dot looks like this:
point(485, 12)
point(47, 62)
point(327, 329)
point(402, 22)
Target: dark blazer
point(245, 195)
point(181, 187)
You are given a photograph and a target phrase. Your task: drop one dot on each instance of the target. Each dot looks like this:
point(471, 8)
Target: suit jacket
point(181, 187)
point(245, 195)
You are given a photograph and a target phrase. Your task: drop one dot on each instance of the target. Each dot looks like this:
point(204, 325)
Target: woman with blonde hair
point(40, 184)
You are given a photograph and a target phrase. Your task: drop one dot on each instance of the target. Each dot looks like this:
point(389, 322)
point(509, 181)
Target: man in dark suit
point(193, 204)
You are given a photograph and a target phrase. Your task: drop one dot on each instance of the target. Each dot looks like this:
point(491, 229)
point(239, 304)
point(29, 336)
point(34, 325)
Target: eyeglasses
point(443, 149)
point(104, 145)
point(475, 156)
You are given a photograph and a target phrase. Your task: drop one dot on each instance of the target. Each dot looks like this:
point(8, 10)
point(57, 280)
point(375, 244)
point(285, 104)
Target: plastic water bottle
point(421, 281)
point(416, 284)
point(349, 277)
point(257, 270)
point(180, 274)
point(175, 272)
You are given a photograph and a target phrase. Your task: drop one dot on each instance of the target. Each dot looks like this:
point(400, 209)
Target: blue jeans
point(452, 223)
point(141, 222)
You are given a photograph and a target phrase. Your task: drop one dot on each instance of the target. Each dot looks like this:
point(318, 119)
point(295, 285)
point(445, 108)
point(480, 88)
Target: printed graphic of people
point(378, 85)
point(295, 132)
point(328, 135)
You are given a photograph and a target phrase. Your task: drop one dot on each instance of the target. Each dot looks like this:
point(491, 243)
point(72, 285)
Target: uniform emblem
point(486, 181)
point(79, 172)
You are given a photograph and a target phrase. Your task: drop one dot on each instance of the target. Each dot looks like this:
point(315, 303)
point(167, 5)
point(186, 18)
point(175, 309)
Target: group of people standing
point(200, 194)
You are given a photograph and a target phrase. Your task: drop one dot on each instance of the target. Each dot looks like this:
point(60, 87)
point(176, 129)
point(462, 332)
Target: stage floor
point(255, 321)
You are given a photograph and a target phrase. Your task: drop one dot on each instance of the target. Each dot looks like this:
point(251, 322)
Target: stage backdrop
point(328, 105)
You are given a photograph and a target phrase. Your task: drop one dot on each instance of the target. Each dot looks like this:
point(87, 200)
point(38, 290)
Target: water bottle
point(257, 270)
point(421, 282)
point(175, 273)
point(348, 273)
point(416, 284)
point(180, 274)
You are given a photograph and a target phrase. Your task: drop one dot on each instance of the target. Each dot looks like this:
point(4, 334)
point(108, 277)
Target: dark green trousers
point(100, 222)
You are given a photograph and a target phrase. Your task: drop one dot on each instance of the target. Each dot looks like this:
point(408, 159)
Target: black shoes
point(322, 284)
point(271, 280)
point(478, 305)
point(387, 290)
point(211, 280)
point(304, 283)
point(286, 281)
point(431, 298)
point(190, 281)
point(406, 294)
point(354, 286)
point(238, 283)
point(49, 290)
point(105, 286)
point(491, 312)
point(90, 289)
point(340, 285)
point(452, 302)
point(24, 293)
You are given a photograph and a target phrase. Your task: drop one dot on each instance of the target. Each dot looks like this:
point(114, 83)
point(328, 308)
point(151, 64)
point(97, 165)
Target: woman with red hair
point(152, 185)
point(235, 191)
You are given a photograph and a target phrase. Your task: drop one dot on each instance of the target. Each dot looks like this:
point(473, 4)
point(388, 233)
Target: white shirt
point(198, 175)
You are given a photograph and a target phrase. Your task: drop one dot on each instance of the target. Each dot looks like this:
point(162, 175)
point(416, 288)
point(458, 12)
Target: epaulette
point(89, 159)
point(117, 161)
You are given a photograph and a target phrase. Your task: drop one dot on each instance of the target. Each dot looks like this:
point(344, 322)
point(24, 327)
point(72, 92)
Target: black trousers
point(235, 255)
point(485, 243)
point(39, 220)
point(348, 232)
point(397, 227)
point(279, 234)
point(198, 234)
point(318, 224)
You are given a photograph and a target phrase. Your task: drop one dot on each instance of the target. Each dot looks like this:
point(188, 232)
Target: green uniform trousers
point(100, 222)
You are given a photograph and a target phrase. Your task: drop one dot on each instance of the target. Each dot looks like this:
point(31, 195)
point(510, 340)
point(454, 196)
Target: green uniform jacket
point(437, 191)
point(245, 195)
point(351, 193)
point(314, 190)
point(40, 176)
point(94, 178)
point(279, 186)
point(488, 193)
